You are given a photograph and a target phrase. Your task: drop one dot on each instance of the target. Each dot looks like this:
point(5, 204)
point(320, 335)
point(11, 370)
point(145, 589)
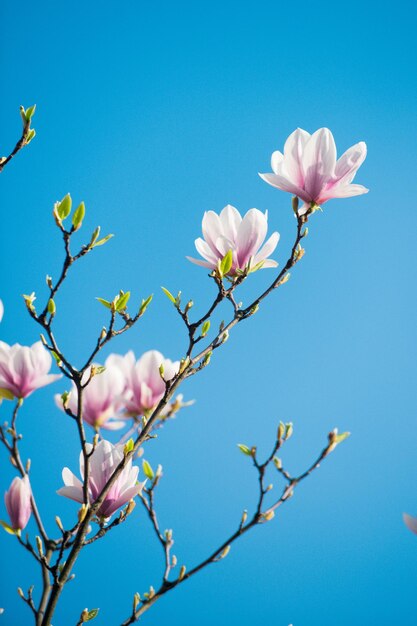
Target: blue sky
point(153, 114)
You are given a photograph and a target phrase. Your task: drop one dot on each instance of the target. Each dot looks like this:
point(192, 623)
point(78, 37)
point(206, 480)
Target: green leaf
point(56, 357)
point(94, 236)
point(64, 207)
point(91, 615)
point(129, 445)
point(123, 300)
point(29, 113)
point(341, 437)
point(79, 214)
point(244, 449)
point(8, 528)
point(205, 328)
point(51, 307)
point(101, 242)
point(104, 302)
point(226, 263)
point(169, 295)
point(31, 135)
point(5, 394)
point(145, 304)
point(147, 470)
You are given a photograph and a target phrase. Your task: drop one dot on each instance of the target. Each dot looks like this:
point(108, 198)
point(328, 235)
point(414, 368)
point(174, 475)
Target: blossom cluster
point(126, 387)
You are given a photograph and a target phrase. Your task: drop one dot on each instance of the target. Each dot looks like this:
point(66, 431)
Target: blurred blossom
point(243, 236)
point(309, 169)
point(103, 462)
point(1, 310)
point(24, 369)
point(145, 385)
point(410, 522)
point(102, 398)
point(17, 500)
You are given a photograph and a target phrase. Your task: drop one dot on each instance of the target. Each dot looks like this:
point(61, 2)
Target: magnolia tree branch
point(28, 134)
point(261, 515)
point(72, 541)
point(190, 365)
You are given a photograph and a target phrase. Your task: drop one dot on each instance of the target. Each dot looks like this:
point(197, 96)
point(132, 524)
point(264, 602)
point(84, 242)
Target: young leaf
point(101, 242)
point(169, 295)
point(91, 615)
point(145, 304)
point(147, 470)
point(226, 263)
point(64, 207)
point(205, 328)
point(105, 303)
point(122, 302)
point(30, 112)
point(79, 214)
point(244, 449)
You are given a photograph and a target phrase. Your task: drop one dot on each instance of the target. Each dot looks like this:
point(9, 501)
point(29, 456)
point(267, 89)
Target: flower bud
point(18, 502)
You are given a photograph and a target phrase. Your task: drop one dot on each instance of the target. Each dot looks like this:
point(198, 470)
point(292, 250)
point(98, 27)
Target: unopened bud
point(288, 430)
point(268, 516)
point(174, 560)
point(27, 467)
point(244, 517)
point(20, 592)
point(103, 333)
point(182, 572)
point(277, 463)
point(161, 371)
point(295, 203)
point(151, 592)
point(136, 601)
point(130, 507)
point(281, 430)
point(39, 545)
point(225, 552)
point(59, 523)
point(82, 512)
point(188, 306)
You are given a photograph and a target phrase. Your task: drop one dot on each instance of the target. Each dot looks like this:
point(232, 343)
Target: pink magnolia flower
point(24, 369)
point(410, 522)
point(309, 169)
point(243, 236)
point(102, 399)
point(145, 384)
point(103, 462)
point(17, 500)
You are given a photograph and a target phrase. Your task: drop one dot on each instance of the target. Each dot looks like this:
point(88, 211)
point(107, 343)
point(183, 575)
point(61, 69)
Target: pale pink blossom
point(18, 504)
point(145, 383)
point(24, 369)
point(102, 398)
point(309, 169)
point(103, 462)
point(243, 236)
point(410, 522)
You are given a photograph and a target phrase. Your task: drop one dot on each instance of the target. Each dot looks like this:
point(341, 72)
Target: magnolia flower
point(102, 398)
point(24, 369)
point(103, 462)
point(410, 522)
point(243, 236)
point(145, 382)
point(18, 504)
point(1, 310)
point(308, 168)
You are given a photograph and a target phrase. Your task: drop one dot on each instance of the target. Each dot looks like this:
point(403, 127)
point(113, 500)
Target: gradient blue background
point(152, 113)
